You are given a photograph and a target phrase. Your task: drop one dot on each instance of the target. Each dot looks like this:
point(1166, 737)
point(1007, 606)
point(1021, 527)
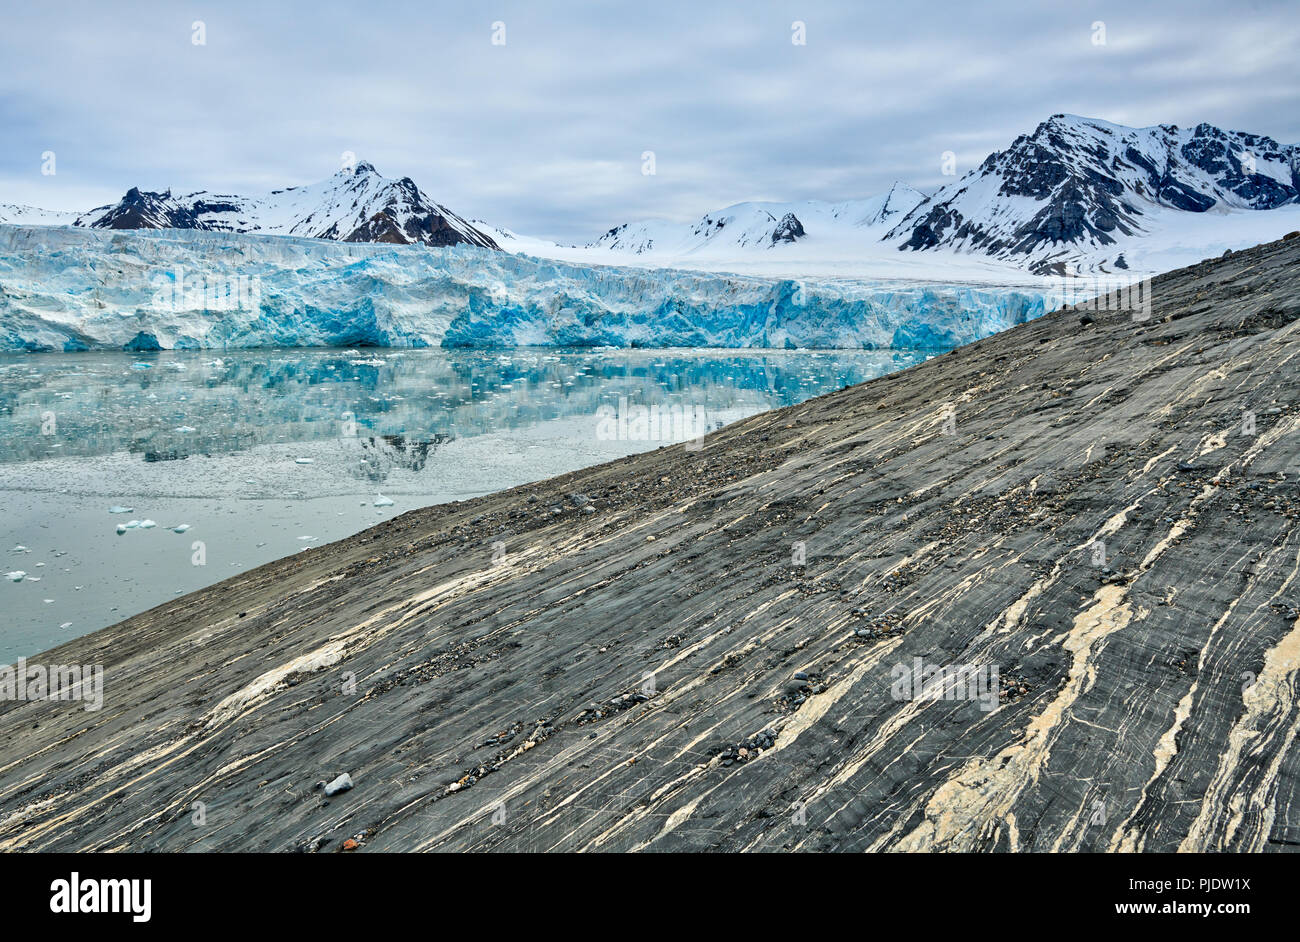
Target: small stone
point(340, 784)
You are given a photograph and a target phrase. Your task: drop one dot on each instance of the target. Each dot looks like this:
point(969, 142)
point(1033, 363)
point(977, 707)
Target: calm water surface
point(256, 454)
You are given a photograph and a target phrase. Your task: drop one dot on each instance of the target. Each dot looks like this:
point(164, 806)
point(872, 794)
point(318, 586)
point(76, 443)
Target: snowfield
point(75, 289)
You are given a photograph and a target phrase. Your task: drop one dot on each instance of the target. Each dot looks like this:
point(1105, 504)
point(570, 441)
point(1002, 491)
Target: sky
point(537, 116)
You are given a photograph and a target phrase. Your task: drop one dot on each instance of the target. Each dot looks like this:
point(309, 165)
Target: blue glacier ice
point(75, 289)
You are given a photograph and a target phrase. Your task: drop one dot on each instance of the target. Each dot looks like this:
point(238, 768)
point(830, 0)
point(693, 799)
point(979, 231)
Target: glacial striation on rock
point(1094, 518)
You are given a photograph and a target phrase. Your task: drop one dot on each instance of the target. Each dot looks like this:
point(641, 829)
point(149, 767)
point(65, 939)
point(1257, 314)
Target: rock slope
point(697, 649)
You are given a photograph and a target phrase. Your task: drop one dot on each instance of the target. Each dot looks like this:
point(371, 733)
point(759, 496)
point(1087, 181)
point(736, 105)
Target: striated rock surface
point(699, 649)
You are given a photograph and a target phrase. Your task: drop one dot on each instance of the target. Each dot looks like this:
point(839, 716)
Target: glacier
point(75, 289)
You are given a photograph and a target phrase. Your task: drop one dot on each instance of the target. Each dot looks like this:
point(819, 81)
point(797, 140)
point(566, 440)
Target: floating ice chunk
point(20, 549)
point(382, 501)
point(66, 624)
point(48, 601)
point(141, 366)
point(181, 529)
point(303, 460)
point(121, 528)
point(305, 538)
point(15, 576)
point(186, 428)
point(147, 524)
point(132, 524)
point(33, 579)
point(117, 509)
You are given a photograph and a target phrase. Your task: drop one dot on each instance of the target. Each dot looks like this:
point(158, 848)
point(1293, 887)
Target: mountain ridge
point(356, 204)
point(1075, 194)
point(1086, 185)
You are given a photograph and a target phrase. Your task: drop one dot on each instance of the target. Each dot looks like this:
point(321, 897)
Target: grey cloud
point(545, 134)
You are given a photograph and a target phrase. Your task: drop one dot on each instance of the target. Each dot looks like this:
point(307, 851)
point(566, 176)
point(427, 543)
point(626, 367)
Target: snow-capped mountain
point(1081, 192)
point(1078, 194)
point(759, 225)
point(354, 205)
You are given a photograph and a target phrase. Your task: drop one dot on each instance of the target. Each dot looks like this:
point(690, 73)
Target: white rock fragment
point(340, 784)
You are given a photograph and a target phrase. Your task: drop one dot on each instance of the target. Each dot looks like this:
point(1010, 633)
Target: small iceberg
point(16, 576)
point(118, 509)
point(303, 460)
point(382, 501)
point(181, 529)
point(186, 428)
point(147, 524)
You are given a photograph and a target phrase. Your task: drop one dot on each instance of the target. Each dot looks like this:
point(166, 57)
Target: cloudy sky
point(545, 133)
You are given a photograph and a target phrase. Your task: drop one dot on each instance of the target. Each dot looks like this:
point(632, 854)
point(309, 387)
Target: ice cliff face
point(73, 289)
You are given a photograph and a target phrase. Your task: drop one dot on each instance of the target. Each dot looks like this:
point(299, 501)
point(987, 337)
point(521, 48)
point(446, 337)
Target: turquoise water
point(258, 454)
